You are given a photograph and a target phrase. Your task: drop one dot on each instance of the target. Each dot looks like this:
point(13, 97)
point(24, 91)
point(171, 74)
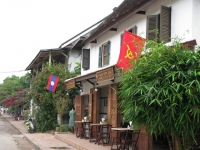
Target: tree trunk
point(179, 140)
point(169, 141)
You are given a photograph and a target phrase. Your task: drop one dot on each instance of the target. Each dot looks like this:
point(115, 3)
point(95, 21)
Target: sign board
point(105, 75)
point(70, 84)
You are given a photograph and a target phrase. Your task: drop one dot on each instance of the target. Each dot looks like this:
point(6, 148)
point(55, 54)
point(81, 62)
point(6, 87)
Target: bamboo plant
point(161, 92)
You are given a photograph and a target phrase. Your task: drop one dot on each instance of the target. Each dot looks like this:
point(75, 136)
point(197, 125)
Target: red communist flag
point(130, 49)
point(52, 83)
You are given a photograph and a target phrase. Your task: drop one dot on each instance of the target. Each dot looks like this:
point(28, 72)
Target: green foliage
point(62, 105)
point(45, 118)
point(162, 92)
point(26, 115)
point(11, 85)
point(65, 128)
point(45, 99)
point(77, 69)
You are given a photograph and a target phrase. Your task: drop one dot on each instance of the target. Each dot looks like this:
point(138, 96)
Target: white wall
point(74, 56)
point(185, 24)
point(182, 25)
point(196, 20)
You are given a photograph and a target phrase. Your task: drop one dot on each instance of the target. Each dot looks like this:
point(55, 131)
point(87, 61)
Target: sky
point(27, 26)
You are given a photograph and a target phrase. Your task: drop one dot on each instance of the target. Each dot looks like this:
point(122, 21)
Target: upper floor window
point(86, 59)
point(159, 26)
point(104, 54)
point(132, 30)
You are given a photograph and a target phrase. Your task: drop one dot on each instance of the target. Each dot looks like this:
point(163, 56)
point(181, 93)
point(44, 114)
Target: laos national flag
point(52, 83)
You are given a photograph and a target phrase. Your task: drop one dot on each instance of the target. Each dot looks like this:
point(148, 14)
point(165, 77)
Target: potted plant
point(105, 120)
point(88, 118)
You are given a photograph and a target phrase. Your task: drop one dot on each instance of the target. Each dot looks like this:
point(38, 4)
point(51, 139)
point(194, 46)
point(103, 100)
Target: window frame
point(132, 30)
point(104, 54)
point(86, 59)
point(162, 23)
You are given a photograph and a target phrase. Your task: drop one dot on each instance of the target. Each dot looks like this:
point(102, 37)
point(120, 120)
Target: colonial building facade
point(100, 77)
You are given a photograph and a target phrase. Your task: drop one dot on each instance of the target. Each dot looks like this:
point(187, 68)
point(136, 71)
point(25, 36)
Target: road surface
point(11, 139)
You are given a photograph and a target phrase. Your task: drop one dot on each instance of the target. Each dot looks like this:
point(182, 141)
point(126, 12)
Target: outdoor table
point(83, 128)
point(119, 136)
point(99, 130)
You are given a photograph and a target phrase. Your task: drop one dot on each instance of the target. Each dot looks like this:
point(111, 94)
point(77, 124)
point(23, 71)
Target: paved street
point(7, 135)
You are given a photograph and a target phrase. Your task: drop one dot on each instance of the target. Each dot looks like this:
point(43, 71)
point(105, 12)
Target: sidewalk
point(47, 141)
point(44, 141)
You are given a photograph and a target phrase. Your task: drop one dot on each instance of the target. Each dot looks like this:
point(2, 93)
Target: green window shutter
point(152, 27)
point(165, 24)
point(108, 53)
point(121, 38)
point(100, 56)
point(134, 30)
point(86, 59)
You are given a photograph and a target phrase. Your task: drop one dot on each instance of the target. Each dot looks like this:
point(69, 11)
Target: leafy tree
point(14, 100)
point(46, 101)
point(161, 92)
point(11, 87)
point(62, 105)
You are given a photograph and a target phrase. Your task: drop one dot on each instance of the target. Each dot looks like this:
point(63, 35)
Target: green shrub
point(46, 118)
point(46, 112)
point(161, 92)
point(26, 114)
point(65, 128)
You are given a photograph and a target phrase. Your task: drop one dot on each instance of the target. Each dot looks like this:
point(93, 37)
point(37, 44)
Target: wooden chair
point(117, 140)
point(93, 133)
point(104, 134)
point(131, 138)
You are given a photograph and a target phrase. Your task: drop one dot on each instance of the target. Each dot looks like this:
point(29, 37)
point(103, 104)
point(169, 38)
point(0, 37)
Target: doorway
point(103, 103)
point(85, 103)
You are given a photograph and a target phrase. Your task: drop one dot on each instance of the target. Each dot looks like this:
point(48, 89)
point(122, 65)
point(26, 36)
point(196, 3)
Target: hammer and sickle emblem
point(129, 54)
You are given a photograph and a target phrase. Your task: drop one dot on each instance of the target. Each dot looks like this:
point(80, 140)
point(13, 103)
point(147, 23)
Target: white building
point(100, 51)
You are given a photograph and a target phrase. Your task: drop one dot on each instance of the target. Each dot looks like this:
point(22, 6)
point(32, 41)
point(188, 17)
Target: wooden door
point(95, 105)
point(78, 108)
point(112, 105)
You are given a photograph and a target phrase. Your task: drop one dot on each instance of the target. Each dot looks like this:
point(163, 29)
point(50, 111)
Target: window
point(86, 59)
point(159, 26)
point(132, 30)
point(104, 54)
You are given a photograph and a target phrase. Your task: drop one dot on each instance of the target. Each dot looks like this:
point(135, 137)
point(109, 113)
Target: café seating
point(121, 134)
point(81, 128)
point(131, 139)
point(104, 135)
point(93, 133)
